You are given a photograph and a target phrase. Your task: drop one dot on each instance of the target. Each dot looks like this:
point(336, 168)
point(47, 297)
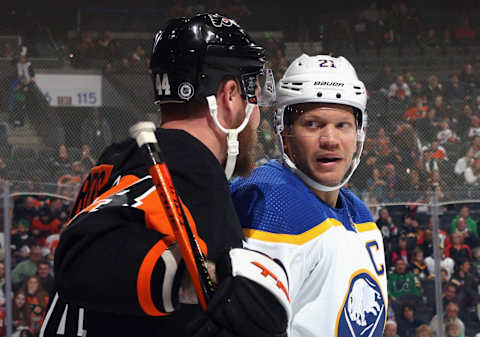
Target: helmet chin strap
point(232, 134)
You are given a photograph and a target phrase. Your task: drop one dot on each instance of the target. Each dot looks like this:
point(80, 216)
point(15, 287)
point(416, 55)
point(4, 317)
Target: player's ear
point(228, 98)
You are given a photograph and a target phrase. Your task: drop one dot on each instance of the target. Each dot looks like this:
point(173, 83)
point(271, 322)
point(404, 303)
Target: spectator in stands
point(139, 58)
point(44, 273)
point(106, 47)
point(472, 173)
point(429, 126)
point(72, 179)
point(390, 329)
point(442, 109)
point(415, 186)
point(96, 132)
point(464, 33)
point(471, 223)
point(2, 284)
point(407, 29)
point(475, 144)
point(18, 103)
point(447, 263)
point(20, 311)
point(469, 79)
point(419, 266)
point(37, 299)
point(430, 39)
point(25, 72)
point(87, 159)
point(408, 145)
point(384, 79)
point(452, 330)
point(59, 209)
point(450, 316)
point(442, 236)
point(26, 268)
point(469, 237)
point(418, 111)
point(408, 322)
point(446, 136)
point(402, 285)
point(371, 159)
point(458, 250)
point(84, 50)
point(435, 157)
point(423, 331)
point(376, 185)
point(433, 88)
point(383, 142)
point(21, 237)
point(464, 120)
point(44, 225)
point(476, 259)
point(466, 280)
point(449, 292)
point(399, 87)
point(454, 89)
point(61, 162)
point(3, 171)
point(411, 228)
point(392, 180)
point(474, 129)
point(388, 229)
point(401, 251)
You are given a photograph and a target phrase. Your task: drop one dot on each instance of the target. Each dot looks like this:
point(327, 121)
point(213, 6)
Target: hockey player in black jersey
point(117, 268)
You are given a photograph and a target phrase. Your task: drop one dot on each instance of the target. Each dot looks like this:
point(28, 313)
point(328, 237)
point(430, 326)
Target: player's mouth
point(327, 161)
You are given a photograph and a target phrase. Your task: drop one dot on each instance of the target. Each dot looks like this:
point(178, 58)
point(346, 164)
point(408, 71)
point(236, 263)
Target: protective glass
point(259, 87)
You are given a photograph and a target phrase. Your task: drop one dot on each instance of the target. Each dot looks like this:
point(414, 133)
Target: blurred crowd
point(423, 139)
point(408, 242)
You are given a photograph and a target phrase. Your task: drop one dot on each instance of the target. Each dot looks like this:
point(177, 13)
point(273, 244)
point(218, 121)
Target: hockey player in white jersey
point(298, 211)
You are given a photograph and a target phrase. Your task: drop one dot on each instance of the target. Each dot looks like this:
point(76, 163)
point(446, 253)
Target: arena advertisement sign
point(76, 90)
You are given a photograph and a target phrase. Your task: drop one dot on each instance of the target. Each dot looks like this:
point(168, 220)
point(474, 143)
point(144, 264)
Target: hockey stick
point(144, 134)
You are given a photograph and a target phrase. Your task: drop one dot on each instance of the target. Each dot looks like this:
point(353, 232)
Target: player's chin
point(328, 177)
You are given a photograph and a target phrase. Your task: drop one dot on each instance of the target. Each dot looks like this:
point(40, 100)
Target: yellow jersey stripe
point(300, 239)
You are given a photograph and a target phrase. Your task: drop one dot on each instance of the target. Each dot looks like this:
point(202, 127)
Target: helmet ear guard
point(321, 79)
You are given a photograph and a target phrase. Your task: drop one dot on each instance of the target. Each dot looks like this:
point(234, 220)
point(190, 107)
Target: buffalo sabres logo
point(219, 21)
point(364, 309)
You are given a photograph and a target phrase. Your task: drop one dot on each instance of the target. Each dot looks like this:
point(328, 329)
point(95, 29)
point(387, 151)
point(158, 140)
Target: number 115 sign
point(76, 90)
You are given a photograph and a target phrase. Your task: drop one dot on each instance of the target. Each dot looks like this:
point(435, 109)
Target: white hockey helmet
point(322, 79)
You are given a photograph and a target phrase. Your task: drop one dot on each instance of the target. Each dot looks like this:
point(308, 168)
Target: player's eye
point(344, 125)
point(311, 124)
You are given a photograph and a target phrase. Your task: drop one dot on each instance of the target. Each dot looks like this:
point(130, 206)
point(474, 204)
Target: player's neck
point(201, 129)
point(330, 198)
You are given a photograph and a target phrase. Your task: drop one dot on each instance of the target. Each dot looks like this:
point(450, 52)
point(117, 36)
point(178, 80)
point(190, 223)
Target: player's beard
point(245, 161)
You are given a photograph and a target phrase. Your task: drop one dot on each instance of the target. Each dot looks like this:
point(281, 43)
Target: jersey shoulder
point(359, 211)
point(275, 200)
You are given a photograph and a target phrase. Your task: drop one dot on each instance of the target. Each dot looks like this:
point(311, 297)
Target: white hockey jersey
point(334, 257)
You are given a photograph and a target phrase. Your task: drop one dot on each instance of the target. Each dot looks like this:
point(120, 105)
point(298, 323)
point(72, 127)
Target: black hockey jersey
point(108, 269)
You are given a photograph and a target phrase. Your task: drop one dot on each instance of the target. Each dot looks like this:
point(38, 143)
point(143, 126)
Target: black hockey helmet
point(192, 55)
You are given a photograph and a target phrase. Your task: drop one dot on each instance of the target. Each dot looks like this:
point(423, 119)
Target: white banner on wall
point(76, 90)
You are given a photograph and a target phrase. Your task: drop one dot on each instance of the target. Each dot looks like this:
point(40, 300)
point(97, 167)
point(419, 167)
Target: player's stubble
point(247, 141)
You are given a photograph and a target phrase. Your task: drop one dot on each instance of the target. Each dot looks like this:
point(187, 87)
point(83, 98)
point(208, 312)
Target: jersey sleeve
point(266, 230)
point(119, 254)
